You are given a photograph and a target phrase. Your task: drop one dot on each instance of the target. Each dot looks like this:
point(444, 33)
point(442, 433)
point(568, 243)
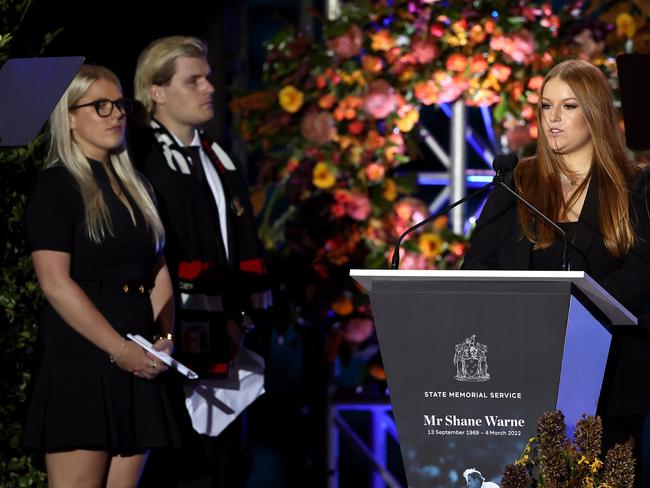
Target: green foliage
point(19, 293)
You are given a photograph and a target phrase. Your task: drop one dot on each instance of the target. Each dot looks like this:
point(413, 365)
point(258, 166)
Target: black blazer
point(498, 243)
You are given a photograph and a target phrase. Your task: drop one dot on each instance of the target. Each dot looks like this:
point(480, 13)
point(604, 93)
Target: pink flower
point(424, 52)
point(318, 127)
point(380, 100)
point(522, 48)
point(519, 46)
point(358, 330)
point(349, 44)
point(358, 207)
point(407, 212)
point(452, 88)
point(535, 83)
point(413, 261)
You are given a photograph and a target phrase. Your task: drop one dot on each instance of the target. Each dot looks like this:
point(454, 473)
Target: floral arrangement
point(335, 126)
point(551, 460)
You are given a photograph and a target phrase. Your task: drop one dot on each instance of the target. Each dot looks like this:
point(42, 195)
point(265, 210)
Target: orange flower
point(322, 176)
point(407, 74)
point(490, 25)
point(377, 372)
point(441, 222)
point(501, 72)
point(382, 40)
point(343, 306)
point(516, 90)
point(478, 64)
point(426, 92)
point(371, 64)
point(477, 34)
point(456, 62)
point(374, 141)
point(291, 99)
point(326, 101)
point(535, 83)
point(375, 172)
point(457, 248)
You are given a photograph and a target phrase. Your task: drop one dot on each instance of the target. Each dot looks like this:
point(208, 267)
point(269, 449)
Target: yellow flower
point(430, 244)
point(390, 190)
point(322, 177)
point(355, 154)
point(625, 25)
point(406, 123)
point(291, 99)
point(407, 74)
point(596, 465)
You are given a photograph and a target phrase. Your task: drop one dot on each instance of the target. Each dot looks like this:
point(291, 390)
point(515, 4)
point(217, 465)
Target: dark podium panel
point(473, 358)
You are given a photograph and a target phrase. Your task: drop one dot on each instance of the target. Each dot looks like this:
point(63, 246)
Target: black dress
point(79, 399)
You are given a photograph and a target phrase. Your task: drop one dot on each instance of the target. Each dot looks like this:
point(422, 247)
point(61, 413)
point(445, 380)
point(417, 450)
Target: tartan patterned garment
point(213, 280)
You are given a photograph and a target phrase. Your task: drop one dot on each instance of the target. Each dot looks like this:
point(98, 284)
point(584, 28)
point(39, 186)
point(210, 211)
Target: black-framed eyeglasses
point(104, 107)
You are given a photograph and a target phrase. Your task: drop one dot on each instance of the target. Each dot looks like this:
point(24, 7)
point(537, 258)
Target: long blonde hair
point(538, 179)
point(64, 150)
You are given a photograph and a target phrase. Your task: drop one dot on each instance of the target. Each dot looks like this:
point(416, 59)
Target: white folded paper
point(214, 404)
point(163, 356)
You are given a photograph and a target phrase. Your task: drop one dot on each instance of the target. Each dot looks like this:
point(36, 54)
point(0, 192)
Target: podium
point(473, 358)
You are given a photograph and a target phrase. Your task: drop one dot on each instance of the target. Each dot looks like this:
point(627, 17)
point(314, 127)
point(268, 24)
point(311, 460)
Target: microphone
point(502, 164)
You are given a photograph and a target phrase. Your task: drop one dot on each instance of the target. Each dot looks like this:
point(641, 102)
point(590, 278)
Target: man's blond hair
point(157, 64)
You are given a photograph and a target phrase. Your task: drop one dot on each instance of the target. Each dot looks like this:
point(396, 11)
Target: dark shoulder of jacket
point(58, 175)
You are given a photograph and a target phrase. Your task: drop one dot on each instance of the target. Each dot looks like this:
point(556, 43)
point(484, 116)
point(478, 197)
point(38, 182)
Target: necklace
point(572, 181)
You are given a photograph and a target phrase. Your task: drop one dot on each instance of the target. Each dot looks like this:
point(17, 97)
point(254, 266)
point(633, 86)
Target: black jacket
point(498, 243)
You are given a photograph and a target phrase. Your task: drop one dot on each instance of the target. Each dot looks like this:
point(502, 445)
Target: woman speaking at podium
point(582, 179)
point(96, 244)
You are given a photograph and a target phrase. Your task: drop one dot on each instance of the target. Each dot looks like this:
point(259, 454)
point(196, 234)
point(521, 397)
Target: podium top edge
point(464, 274)
point(616, 312)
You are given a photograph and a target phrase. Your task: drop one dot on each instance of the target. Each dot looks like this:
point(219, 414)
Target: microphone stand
point(558, 229)
point(498, 178)
point(498, 181)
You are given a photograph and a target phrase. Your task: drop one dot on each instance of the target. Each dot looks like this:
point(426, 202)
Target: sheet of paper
point(163, 356)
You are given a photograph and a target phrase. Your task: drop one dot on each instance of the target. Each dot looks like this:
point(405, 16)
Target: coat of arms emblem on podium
point(470, 359)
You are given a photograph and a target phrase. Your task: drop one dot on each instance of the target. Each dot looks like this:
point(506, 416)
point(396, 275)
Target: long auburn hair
point(63, 149)
point(538, 178)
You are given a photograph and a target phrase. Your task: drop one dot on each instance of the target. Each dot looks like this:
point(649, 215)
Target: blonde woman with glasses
point(96, 405)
